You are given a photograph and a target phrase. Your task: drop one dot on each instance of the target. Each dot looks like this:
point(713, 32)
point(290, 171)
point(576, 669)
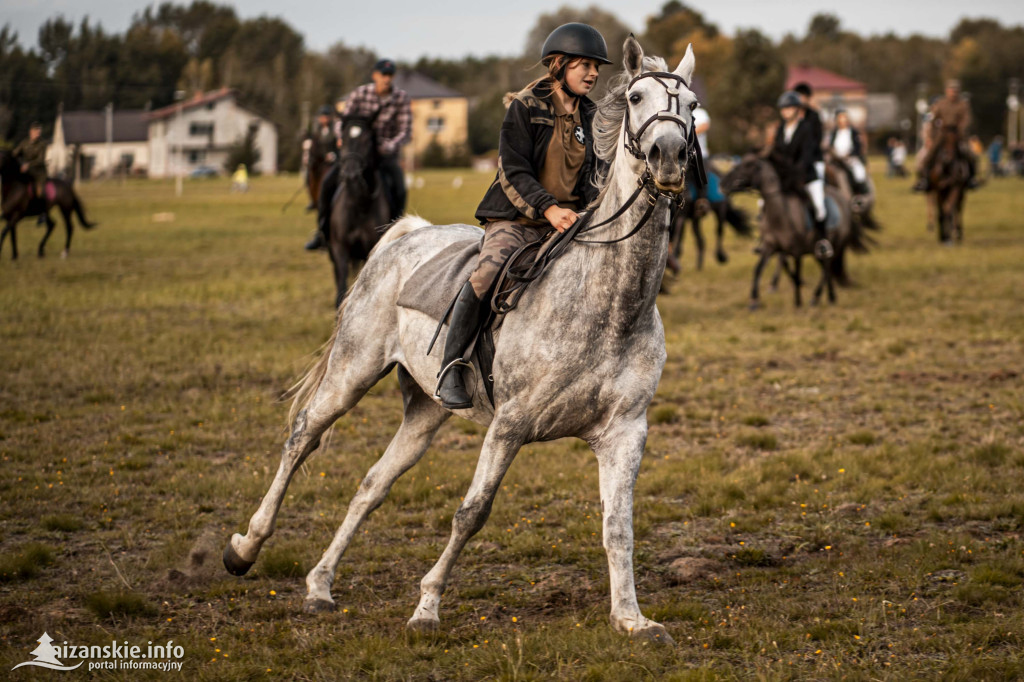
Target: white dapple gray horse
point(581, 357)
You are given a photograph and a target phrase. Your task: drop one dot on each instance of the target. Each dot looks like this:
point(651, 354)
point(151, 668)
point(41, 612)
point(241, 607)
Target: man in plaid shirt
point(392, 128)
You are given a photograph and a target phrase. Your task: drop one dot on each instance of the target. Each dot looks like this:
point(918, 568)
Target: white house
point(199, 132)
point(80, 147)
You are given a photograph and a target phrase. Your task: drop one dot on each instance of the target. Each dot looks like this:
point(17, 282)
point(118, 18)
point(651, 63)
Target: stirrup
point(457, 362)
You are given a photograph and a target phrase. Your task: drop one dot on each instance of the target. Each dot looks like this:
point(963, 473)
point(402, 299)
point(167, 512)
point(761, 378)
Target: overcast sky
point(407, 29)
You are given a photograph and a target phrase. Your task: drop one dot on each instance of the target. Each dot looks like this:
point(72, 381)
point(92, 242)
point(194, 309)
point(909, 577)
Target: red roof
point(200, 99)
point(820, 79)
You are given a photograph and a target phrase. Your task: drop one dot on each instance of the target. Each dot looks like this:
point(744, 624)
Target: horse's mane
point(611, 111)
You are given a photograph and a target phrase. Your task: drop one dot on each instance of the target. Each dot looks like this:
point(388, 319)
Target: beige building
point(438, 113)
point(90, 144)
point(833, 92)
point(200, 131)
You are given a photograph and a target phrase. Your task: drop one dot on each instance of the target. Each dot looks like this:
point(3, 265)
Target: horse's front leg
point(49, 230)
point(501, 444)
point(698, 237)
point(720, 255)
point(619, 451)
point(11, 228)
point(755, 300)
point(340, 259)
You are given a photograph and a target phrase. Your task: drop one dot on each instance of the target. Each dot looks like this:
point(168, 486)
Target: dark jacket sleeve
point(516, 174)
point(810, 151)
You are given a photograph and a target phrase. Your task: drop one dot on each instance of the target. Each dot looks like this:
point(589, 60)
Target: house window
point(209, 106)
point(200, 129)
point(437, 104)
point(127, 160)
point(435, 124)
point(196, 156)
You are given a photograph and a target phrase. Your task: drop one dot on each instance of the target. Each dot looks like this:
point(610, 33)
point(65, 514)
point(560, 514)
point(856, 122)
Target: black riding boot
point(822, 246)
point(319, 241)
point(462, 327)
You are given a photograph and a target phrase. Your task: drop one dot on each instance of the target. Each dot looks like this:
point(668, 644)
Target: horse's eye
point(635, 98)
point(693, 105)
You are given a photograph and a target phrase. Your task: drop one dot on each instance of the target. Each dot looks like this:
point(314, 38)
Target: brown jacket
point(953, 113)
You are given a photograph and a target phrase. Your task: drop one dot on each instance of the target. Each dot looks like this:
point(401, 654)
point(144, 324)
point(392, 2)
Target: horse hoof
point(317, 605)
point(423, 625)
point(235, 564)
point(722, 258)
point(655, 634)
point(754, 306)
point(64, 254)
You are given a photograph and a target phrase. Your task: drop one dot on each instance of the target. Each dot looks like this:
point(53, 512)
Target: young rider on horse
point(797, 143)
point(32, 154)
point(951, 113)
point(321, 142)
point(846, 146)
point(545, 175)
point(391, 112)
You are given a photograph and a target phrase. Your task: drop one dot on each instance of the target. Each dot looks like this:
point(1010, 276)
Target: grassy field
point(830, 493)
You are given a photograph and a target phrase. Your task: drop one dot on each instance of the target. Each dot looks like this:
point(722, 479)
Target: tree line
point(201, 46)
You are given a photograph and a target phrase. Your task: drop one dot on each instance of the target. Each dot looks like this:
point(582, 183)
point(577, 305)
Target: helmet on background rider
point(325, 110)
point(788, 99)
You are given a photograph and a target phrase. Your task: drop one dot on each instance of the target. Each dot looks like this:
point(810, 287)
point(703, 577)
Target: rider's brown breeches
point(501, 239)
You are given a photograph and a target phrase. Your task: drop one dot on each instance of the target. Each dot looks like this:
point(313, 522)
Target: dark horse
point(948, 177)
point(692, 211)
point(785, 226)
point(17, 202)
point(360, 208)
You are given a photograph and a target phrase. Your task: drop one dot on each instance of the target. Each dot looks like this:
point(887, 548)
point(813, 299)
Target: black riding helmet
point(325, 110)
point(575, 40)
point(789, 99)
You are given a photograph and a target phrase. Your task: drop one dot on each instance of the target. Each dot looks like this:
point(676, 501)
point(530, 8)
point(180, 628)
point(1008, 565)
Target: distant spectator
point(240, 179)
point(995, 158)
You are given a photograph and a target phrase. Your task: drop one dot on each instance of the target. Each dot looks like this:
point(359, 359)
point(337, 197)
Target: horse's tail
point(738, 218)
point(76, 206)
point(304, 389)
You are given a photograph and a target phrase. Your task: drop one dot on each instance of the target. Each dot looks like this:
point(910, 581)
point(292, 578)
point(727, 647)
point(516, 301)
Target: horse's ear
point(632, 56)
point(685, 68)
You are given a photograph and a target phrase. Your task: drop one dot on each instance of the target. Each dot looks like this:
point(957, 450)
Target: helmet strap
point(560, 77)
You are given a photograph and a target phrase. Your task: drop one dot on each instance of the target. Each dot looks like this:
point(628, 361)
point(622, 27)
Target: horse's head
point(358, 148)
point(745, 175)
point(658, 126)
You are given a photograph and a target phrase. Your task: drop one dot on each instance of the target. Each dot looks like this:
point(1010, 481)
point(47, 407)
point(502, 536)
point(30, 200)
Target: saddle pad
point(436, 282)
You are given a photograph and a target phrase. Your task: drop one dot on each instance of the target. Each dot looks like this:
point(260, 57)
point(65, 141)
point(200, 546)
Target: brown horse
point(17, 202)
point(785, 229)
point(948, 177)
point(316, 166)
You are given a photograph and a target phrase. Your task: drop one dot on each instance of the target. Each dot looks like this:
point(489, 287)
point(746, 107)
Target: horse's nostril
point(682, 155)
point(655, 154)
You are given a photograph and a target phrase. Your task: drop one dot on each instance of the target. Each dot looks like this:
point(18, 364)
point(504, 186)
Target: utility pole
point(110, 138)
point(179, 97)
point(1012, 121)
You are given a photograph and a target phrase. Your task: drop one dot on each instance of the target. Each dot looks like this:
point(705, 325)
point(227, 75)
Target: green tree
point(244, 151)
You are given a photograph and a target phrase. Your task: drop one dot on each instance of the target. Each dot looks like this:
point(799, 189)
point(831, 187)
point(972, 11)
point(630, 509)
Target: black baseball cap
point(385, 66)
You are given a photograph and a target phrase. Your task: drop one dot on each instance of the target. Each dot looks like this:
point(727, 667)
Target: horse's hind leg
point(500, 447)
point(755, 299)
point(423, 417)
point(334, 395)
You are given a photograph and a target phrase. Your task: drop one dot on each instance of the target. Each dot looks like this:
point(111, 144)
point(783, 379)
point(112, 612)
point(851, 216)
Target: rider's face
point(789, 114)
point(382, 81)
point(34, 133)
point(581, 75)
